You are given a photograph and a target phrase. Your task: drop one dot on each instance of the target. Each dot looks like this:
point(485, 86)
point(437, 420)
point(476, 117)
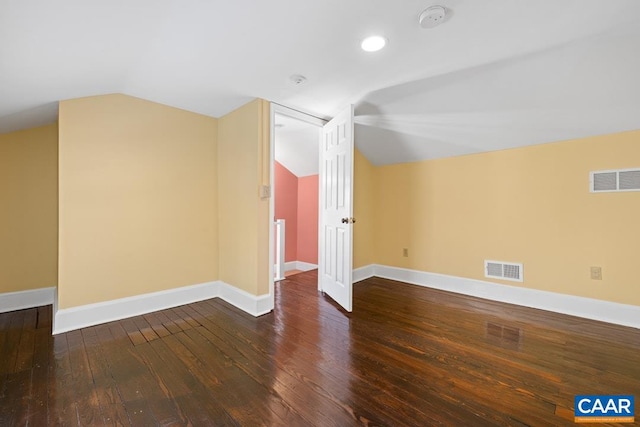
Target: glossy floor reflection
point(405, 356)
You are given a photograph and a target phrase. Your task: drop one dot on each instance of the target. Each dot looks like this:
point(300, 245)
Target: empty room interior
point(319, 213)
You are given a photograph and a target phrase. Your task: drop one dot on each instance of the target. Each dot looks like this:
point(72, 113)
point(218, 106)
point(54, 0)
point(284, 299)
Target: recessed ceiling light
point(373, 43)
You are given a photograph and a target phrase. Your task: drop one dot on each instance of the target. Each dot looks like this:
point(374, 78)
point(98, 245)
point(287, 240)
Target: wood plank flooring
point(406, 356)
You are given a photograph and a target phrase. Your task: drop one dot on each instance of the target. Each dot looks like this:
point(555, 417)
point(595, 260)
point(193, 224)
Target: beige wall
point(138, 202)
point(243, 153)
point(529, 205)
point(363, 211)
point(139, 212)
point(29, 209)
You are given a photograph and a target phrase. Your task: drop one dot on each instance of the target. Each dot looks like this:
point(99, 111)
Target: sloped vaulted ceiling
point(577, 89)
point(496, 74)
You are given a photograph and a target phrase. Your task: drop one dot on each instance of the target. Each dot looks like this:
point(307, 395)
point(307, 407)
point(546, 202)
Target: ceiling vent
point(614, 181)
point(503, 270)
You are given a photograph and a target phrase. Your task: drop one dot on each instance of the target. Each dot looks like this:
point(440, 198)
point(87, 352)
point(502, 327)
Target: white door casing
point(288, 112)
point(336, 209)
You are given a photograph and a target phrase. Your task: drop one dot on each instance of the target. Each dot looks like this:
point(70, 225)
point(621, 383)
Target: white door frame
point(294, 114)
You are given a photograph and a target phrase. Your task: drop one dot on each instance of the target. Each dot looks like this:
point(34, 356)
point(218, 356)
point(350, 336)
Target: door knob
point(345, 220)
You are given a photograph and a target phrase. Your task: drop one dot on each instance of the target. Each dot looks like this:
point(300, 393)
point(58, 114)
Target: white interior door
point(336, 209)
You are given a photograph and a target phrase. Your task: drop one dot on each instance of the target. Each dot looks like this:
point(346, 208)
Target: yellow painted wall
point(137, 196)
point(243, 153)
point(529, 205)
point(29, 209)
point(363, 211)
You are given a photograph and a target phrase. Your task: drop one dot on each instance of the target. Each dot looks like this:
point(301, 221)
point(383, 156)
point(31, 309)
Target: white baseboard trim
point(362, 273)
point(11, 301)
point(604, 311)
point(252, 304)
point(299, 265)
point(305, 266)
point(69, 319)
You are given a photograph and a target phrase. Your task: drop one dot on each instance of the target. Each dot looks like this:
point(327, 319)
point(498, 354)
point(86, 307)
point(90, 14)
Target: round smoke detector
point(432, 16)
point(297, 79)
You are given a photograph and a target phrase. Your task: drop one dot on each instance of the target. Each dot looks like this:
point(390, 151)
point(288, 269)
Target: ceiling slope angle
point(581, 88)
point(442, 88)
point(296, 146)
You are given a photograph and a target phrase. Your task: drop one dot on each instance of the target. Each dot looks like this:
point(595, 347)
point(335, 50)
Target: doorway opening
point(329, 156)
point(295, 191)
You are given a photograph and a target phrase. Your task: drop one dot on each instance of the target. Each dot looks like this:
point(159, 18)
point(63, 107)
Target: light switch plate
point(265, 191)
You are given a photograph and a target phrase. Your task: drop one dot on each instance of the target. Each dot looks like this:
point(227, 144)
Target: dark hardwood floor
point(405, 356)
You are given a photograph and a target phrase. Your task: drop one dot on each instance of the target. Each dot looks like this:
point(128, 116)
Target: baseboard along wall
point(299, 265)
point(69, 319)
point(11, 301)
point(65, 320)
point(588, 308)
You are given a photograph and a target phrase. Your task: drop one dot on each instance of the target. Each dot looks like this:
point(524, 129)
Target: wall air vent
point(503, 270)
point(615, 180)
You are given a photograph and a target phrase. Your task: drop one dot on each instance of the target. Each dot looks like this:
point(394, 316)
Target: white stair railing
point(279, 267)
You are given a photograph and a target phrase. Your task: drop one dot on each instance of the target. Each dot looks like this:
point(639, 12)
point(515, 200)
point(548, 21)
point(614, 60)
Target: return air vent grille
point(503, 270)
point(615, 180)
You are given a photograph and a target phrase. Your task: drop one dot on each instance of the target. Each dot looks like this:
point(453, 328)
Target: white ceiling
point(297, 146)
point(497, 74)
point(581, 88)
